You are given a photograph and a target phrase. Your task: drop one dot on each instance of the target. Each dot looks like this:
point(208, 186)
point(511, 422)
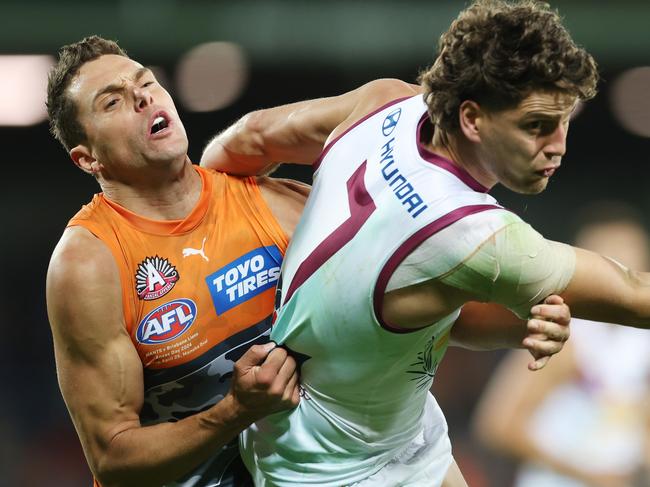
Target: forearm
point(487, 326)
point(297, 132)
point(239, 149)
point(604, 290)
point(158, 454)
point(264, 138)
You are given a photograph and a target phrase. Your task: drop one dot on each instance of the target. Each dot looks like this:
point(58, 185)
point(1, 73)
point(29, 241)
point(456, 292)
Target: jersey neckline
point(444, 163)
point(169, 227)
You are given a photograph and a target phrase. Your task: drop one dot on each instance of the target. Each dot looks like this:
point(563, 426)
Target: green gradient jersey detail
point(515, 267)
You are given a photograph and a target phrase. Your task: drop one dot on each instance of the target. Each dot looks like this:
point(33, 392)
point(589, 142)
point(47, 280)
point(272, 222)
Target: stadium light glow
point(23, 84)
point(630, 100)
point(211, 76)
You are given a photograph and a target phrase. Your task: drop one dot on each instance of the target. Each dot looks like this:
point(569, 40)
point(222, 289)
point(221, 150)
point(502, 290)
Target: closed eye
point(111, 103)
point(540, 127)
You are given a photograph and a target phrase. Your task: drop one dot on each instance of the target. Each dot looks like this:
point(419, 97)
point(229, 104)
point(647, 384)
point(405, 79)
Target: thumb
point(256, 354)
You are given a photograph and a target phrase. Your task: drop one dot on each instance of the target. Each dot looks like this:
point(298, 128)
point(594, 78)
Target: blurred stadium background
point(220, 60)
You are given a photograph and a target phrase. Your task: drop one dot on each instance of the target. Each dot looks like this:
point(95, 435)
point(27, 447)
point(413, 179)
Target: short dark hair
point(496, 53)
point(61, 109)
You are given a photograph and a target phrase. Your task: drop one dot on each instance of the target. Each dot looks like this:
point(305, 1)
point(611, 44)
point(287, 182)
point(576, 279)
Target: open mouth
point(159, 123)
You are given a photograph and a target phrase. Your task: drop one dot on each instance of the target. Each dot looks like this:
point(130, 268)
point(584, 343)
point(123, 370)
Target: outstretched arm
point(295, 133)
point(100, 375)
point(601, 289)
point(529, 267)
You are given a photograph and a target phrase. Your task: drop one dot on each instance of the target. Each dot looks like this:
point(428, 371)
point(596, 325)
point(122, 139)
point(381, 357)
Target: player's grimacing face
point(128, 117)
point(523, 146)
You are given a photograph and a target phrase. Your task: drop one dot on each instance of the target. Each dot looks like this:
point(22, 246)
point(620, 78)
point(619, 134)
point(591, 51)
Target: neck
point(161, 196)
point(455, 147)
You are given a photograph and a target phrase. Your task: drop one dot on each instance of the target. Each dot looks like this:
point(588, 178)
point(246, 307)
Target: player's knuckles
point(265, 378)
point(557, 332)
point(276, 357)
point(552, 312)
point(564, 315)
point(277, 389)
point(536, 325)
point(290, 364)
point(252, 356)
point(241, 367)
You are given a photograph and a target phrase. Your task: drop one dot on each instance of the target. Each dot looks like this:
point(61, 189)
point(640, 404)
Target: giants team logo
point(167, 322)
point(154, 278)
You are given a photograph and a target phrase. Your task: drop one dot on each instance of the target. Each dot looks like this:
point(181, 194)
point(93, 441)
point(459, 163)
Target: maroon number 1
point(361, 207)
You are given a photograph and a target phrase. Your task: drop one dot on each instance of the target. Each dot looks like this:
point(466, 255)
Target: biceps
point(604, 290)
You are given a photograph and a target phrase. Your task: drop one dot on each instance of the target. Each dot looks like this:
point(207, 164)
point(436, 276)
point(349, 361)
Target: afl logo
point(390, 122)
point(167, 322)
point(154, 278)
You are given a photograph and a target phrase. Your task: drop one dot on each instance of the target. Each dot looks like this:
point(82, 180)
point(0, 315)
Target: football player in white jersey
point(398, 234)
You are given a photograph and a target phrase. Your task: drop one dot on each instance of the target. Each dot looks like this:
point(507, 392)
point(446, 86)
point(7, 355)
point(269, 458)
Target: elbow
point(253, 129)
point(109, 474)
point(238, 149)
point(113, 467)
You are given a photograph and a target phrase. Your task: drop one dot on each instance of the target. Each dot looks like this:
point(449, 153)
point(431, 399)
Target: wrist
point(229, 414)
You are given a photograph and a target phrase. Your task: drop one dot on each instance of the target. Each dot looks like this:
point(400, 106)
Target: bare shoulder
point(82, 286)
point(374, 95)
point(381, 91)
point(286, 199)
point(79, 259)
point(283, 186)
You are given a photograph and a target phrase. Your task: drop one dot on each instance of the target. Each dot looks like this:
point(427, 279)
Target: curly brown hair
point(61, 109)
point(496, 53)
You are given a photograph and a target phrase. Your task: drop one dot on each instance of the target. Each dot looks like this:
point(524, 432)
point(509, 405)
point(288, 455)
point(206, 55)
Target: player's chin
point(534, 186)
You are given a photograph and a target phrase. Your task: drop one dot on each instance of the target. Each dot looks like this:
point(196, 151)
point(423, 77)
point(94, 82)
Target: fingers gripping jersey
point(196, 293)
point(376, 196)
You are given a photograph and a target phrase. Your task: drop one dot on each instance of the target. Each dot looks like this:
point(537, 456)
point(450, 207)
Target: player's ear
point(469, 114)
point(83, 158)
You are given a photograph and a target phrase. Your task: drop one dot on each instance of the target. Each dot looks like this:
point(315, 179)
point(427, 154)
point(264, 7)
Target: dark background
point(294, 50)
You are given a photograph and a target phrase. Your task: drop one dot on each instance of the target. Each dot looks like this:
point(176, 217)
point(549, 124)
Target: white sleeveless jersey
point(377, 195)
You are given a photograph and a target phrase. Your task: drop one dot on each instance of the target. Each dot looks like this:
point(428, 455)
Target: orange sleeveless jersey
point(196, 293)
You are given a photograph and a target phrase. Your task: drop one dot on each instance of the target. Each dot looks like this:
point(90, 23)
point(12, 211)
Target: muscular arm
point(297, 132)
point(517, 267)
point(100, 375)
point(603, 290)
